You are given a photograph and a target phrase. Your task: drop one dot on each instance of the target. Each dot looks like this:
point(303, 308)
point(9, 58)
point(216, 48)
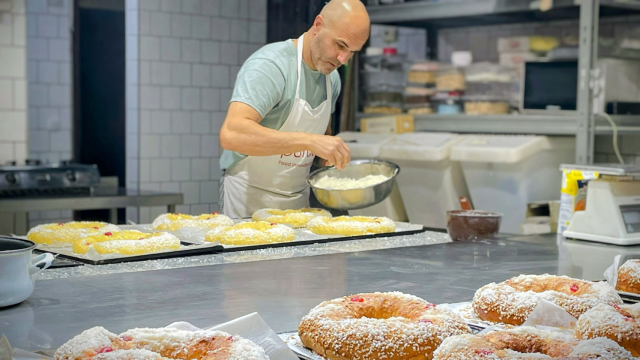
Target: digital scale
point(612, 213)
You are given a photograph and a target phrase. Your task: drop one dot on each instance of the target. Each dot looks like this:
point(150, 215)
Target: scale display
point(631, 218)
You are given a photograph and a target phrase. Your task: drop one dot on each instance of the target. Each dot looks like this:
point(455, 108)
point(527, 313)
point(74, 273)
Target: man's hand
point(331, 148)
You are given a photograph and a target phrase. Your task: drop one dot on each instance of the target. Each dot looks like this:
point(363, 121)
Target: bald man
point(280, 111)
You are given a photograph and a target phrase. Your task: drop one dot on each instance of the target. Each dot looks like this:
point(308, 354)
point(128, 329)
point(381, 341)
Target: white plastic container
point(505, 173)
point(367, 146)
point(430, 183)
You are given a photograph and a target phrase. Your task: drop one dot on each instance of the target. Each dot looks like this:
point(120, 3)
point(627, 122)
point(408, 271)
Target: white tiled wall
point(49, 90)
point(186, 55)
point(13, 88)
point(49, 76)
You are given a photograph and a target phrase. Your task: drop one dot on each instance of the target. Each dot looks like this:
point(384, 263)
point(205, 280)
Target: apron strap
point(300, 47)
point(327, 77)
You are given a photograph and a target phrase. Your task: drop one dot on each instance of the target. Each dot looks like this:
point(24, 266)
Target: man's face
point(331, 48)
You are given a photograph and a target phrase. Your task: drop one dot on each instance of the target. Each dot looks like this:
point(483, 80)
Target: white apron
point(278, 181)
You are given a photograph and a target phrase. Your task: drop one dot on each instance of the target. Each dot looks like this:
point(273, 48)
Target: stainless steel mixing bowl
point(354, 199)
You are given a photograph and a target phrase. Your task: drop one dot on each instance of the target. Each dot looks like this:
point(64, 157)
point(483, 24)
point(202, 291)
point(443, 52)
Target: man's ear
point(318, 24)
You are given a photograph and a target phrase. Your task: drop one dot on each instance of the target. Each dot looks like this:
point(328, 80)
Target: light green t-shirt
point(267, 82)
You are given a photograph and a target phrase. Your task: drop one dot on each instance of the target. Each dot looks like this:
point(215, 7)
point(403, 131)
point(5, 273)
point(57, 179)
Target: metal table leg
point(21, 223)
point(113, 216)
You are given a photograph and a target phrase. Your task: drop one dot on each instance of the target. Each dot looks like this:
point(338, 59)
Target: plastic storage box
point(367, 146)
point(430, 183)
point(505, 173)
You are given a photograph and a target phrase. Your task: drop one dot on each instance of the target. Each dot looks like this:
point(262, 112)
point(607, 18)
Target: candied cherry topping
point(141, 238)
point(357, 299)
point(484, 352)
point(425, 321)
point(95, 227)
point(273, 224)
point(574, 287)
point(126, 338)
point(628, 319)
point(616, 307)
point(108, 233)
point(214, 213)
point(60, 224)
point(429, 306)
point(105, 349)
point(230, 338)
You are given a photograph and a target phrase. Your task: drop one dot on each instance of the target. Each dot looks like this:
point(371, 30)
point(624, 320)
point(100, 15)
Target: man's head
point(341, 29)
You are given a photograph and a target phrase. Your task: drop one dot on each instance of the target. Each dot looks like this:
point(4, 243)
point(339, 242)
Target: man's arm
point(241, 132)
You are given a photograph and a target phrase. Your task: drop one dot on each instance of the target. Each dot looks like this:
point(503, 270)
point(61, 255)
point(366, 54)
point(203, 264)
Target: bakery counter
point(284, 287)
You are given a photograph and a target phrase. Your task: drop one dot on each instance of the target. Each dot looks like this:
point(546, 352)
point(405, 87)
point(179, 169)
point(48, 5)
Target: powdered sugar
point(162, 241)
point(139, 354)
point(89, 340)
point(251, 233)
point(351, 225)
point(333, 183)
point(294, 218)
point(600, 348)
point(604, 320)
point(177, 221)
point(243, 349)
point(147, 343)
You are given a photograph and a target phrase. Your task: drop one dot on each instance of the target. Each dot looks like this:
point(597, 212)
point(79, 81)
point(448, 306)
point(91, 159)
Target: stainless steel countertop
point(284, 290)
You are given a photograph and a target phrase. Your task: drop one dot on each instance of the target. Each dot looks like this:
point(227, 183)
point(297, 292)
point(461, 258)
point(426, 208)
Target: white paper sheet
point(293, 341)
point(611, 274)
point(547, 314)
point(254, 328)
point(9, 353)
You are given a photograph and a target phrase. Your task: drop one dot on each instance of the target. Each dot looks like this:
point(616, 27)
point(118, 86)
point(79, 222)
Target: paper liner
point(611, 274)
point(9, 353)
point(295, 344)
point(549, 315)
point(465, 311)
point(251, 327)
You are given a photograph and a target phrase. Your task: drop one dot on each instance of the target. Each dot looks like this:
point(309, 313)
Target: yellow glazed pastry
point(294, 218)
point(172, 222)
point(129, 242)
point(351, 225)
point(65, 234)
point(251, 233)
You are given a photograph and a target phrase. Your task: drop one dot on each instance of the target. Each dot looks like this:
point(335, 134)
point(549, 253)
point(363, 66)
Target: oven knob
point(71, 176)
point(11, 178)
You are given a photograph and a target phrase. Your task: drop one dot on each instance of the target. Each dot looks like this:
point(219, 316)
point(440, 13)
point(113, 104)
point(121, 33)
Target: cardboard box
point(527, 43)
point(388, 124)
point(517, 58)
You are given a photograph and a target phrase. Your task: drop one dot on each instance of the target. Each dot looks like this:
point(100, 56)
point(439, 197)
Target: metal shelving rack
point(583, 124)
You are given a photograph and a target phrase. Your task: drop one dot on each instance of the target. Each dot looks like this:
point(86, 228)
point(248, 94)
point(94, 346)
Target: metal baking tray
point(304, 237)
point(186, 249)
point(629, 298)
